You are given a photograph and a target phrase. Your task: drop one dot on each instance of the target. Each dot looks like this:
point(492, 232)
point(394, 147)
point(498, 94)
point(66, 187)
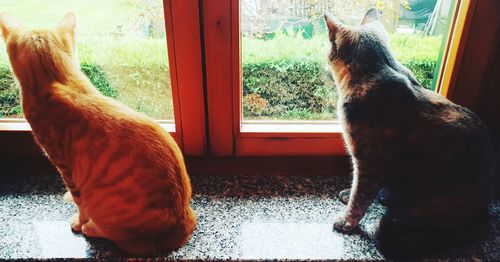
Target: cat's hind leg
point(68, 197)
point(90, 229)
point(76, 221)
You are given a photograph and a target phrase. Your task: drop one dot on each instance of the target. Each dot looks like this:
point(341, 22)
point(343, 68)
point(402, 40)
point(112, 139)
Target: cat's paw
point(343, 223)
point(89, 229)
point(344, 195)
point(68, 197)
point(75, 223)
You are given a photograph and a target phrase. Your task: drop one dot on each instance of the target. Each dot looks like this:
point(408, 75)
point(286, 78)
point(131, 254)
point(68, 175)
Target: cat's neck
point(40, 70)
point(341, 73)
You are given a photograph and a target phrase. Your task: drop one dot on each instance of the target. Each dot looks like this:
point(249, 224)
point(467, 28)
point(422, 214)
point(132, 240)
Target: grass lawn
point(93, 16)
point(406, 47)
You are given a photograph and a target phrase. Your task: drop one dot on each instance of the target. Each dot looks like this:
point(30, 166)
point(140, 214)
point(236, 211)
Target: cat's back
point(446, 122)
point(422, 129)
point(453, 132)
point(102, 114)
point(122, 156)
point(383, 100)
point(109, 138)
point(441, 148)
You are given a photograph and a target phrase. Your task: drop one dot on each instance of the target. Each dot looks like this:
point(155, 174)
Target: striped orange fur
point(125, 173)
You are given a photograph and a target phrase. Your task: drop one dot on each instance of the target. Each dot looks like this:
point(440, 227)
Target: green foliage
point(283, 78)
point(423, 70)
point(284, 47)
point(301, 89)
point(132, 70)
point(9, 92)
point(123, 51)
point(144, 88)
point(406, 47)
point(293, 78)
point(290, 88)
point(98, 77)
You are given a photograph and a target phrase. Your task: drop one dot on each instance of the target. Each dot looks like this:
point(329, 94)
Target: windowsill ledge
point(250, 218)
point(264, 126)
point(20, 125)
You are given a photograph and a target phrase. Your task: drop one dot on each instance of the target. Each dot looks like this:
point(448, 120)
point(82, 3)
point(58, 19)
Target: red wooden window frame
point(186, 73)
point(222, 50)
point(228, 136)
point(204, 56)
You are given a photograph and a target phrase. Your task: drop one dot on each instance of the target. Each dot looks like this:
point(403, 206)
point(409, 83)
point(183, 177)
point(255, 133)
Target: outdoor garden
point(285, 45)
point(284, 69)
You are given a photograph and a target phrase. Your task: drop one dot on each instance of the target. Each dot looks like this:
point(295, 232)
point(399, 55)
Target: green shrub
point(301, 89)
point(288, 86)
point(284, 78)
point(98, 77)
point(423, 71)
point(9, 92)
point(291, 75)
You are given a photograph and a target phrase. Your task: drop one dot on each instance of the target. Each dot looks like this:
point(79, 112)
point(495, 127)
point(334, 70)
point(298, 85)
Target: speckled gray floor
point(238, 218)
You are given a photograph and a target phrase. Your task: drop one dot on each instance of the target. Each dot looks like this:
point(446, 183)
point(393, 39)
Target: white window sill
point(20, 124)
point(266, 126)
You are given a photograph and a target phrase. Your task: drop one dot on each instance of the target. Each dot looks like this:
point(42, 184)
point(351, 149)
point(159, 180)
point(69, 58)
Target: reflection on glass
point(285, 44)
point(121, 45)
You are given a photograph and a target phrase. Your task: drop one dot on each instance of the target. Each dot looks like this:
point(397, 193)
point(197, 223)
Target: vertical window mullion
point(219, 81)
point(189, 105)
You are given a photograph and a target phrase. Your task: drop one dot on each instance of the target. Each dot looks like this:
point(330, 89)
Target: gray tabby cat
point(433, 158)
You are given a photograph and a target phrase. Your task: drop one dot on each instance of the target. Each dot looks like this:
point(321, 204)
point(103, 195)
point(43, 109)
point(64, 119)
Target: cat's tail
point(415, 241)
point(182, 231)
point(168, 239)
point(189, 222)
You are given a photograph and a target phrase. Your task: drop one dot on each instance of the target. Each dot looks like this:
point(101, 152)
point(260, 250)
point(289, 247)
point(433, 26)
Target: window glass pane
point(285, 43)
point(121, 45)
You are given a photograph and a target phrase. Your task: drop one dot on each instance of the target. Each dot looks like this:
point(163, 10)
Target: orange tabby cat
point(125, 173)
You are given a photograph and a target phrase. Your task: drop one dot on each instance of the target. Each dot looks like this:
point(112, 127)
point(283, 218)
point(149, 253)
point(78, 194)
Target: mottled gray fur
point(433, 158)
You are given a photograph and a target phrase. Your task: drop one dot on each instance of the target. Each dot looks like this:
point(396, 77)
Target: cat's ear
point(68, 22)
point(371, 15)
point(8, 23)
point(332, 24)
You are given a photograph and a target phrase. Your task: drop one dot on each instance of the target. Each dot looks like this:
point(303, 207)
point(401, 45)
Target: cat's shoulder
point(386, 85)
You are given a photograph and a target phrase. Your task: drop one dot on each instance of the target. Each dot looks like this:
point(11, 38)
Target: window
point(122, 47)
point(280, 97)
point(285, 75)
point(124, 54)
point(213, 87)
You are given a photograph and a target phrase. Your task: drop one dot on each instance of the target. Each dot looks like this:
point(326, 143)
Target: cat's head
point(358, 50)
point(40, 52)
